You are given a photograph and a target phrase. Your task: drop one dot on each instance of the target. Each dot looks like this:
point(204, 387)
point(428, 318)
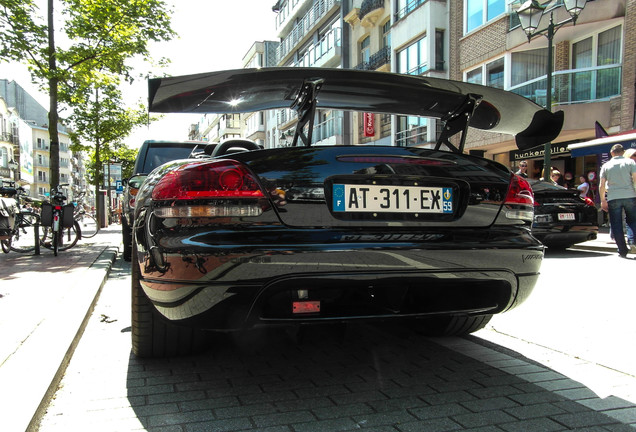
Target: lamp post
point(530, 14)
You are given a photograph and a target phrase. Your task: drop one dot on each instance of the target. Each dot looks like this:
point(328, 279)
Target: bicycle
point(21, 237)
point(58, 223)
point(87, 222)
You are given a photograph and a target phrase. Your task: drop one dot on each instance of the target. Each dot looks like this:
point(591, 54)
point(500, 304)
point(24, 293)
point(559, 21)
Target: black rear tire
point(126, 234)
point(451, 325)
point(154, 336)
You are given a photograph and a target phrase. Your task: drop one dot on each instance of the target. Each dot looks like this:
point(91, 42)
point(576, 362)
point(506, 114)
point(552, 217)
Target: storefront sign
point(538, 152)
point(369, 125)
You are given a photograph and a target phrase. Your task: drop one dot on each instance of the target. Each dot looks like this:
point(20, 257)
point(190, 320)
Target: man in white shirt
point(617, 179)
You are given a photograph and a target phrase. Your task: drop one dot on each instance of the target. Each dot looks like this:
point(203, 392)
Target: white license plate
point(566, 216)
point(396, 199)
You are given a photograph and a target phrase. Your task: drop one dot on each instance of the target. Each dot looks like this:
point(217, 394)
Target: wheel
point(126, 234)
point(451, 325)
point(88, 224)
point(55, 241)
point(6, 245)
point(66, 239)
point(153, 336)
point(23, 239)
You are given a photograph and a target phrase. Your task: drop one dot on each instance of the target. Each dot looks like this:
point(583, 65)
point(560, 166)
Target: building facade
point(25, 127)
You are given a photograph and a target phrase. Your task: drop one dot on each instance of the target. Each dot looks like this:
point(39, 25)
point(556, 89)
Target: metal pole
point(547, 156)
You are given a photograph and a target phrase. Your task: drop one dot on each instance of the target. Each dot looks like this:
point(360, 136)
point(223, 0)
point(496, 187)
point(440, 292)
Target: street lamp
point(13, 166)
point(530, 14)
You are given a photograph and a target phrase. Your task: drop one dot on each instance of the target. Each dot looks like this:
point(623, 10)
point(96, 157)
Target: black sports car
point(561, 217)
point(314, 234)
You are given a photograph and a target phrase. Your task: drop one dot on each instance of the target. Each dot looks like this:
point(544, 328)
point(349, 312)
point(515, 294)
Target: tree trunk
point(53, 115)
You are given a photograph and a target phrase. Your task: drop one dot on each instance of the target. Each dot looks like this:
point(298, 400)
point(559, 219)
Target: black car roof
point(249, 90)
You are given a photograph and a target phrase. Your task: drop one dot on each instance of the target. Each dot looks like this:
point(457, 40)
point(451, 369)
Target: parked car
point(151, 154)
point(312, 234)
point(561, 217)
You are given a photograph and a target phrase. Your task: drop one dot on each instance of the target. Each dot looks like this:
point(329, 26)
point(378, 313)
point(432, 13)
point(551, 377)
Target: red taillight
point(589, 201)
point(519, 192)
point(207, 179)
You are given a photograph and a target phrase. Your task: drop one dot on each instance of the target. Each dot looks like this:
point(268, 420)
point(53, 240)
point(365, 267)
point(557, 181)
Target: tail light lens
point(589, 201)
point(232, 186)
point(519, 201)
point(200, 180)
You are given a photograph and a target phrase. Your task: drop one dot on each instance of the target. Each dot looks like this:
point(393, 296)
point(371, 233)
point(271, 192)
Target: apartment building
point(9, 145)
point(311, 35)
point(593, 73)
point(28, 132)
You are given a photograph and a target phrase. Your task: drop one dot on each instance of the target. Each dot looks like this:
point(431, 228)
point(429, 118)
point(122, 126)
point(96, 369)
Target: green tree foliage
point(96, 39)
point(104, 124)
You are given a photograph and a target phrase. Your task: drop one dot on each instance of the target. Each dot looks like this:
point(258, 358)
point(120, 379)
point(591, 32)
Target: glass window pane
point(474, 76)
point(609, 47)
point(528, 65)
point(582, 54)
point(474, 14)
point(495, 8)
point(495, 74)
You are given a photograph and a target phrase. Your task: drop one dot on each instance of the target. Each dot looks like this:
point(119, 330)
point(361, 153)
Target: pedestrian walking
point(523, 169)
point(617, 179)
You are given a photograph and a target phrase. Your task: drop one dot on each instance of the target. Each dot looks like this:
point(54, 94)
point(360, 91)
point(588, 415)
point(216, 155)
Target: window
point(413, 60)
point(4, 157)
point(479, 12)
point(365, 50)
point(528, 65)
point(602, 49)
point(386, 34)
point(490, 74)
point(411, 131)
point(439, 50)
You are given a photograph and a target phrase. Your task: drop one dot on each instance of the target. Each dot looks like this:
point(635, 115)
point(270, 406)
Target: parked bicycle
point(60, 230)
point(19, 234)
point(87, 222)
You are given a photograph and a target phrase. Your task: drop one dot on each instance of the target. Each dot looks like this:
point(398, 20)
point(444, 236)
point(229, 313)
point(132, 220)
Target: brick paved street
point(373, 378)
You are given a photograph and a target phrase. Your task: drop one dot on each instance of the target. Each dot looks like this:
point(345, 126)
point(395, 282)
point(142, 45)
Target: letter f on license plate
point(396, 199)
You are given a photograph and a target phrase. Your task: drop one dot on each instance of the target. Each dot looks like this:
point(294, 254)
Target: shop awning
point(602, 145)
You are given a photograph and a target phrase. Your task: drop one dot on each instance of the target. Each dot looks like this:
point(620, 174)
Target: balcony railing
point(369, 6)
point(304, 26)
point(285, 12)
point(411, 137)
point(330, 127)
point(574, 85)
point(410, 7)
point(377, 60)
point(323, 49)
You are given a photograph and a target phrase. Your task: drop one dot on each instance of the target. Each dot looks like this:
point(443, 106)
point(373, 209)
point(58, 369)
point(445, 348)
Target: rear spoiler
point(458, 104)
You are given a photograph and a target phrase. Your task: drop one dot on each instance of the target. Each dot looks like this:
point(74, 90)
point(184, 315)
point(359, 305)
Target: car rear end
point(334, 233)
point(151, 154)
point(562, 217)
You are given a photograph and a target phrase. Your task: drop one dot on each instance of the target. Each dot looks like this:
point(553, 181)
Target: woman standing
point(584, 187)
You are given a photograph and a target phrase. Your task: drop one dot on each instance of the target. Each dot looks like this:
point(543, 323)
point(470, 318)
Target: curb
point(53, 342)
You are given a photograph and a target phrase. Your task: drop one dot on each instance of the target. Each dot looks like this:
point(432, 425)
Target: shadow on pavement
point(371, 377)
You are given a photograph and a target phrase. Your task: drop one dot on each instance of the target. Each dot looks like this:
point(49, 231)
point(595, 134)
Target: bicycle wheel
point(6, 245)
point(88, 224)
point(23, 239)
point(66, 238)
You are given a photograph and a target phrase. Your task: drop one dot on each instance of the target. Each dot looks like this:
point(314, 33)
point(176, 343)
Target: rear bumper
point(565, 235)
point(212, 281)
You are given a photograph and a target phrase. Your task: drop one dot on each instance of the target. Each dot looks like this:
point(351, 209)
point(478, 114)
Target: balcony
point(410, 7)
point(319, 10)
point(325, 52)
point(285, 12)
point(377, 60)
point(370, 11)
point(574, 86)
point(327, 131)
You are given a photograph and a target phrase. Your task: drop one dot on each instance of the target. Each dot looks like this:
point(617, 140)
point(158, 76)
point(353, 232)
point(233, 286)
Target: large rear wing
point(458, 104)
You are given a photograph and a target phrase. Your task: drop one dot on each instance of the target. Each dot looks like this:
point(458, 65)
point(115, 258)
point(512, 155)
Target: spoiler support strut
point(456, 122)
point(305, 106)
